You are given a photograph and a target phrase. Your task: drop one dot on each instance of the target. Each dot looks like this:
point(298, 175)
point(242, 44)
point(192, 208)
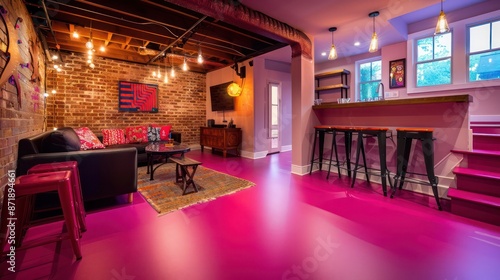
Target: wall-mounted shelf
point(343, 86)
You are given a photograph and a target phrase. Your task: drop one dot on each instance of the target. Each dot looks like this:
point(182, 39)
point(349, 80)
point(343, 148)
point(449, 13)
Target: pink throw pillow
point(136, 134)
point(113, 136)
point(88, 140)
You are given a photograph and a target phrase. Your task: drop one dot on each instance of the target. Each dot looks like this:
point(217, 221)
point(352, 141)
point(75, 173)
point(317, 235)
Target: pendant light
point(333, 50)
point(200, 56)
point(184, 65)
point(374, 41)
point(442, 24)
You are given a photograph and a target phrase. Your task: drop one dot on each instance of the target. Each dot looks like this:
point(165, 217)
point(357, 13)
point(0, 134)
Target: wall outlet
point(392, 94)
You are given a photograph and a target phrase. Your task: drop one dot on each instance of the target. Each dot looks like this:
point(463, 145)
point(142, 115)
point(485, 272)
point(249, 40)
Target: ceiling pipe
point(235, 13)
point(176, 40)
point(49, 23)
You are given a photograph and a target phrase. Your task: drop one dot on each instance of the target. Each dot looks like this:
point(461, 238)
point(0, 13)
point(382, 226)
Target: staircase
point(477, 195)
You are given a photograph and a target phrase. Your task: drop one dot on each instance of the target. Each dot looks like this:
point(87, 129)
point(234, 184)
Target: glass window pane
point(274, 115)
point(479, 38)
point(274, 94)
point(377, 70)
point(368, 91)
point(365, 72)
point(434, 73)
point(424, 49)
point(442, 46)
point(495, 40)
point(484, 66)
point(274, 133)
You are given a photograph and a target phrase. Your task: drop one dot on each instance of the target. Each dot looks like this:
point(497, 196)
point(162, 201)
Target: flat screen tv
point(221, 101)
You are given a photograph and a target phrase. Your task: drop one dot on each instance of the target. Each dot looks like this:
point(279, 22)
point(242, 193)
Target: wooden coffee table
point(162, 150)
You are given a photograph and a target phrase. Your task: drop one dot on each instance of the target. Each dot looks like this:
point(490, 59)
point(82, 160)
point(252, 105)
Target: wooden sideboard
point(221, 139)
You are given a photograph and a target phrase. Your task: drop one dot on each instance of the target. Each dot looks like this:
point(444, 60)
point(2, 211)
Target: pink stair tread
point(478, 152)
point(476, 173)
point(474, 197)
point(493, 135)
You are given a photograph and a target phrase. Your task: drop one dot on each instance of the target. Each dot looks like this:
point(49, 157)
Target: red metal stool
point(75, 183)
point(29, 185)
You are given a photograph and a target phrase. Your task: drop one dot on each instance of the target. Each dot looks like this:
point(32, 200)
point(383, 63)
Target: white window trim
point(459, 72)
point(357, 64)
point(467, 50)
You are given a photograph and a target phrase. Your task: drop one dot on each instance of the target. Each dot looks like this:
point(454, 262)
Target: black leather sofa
point(103, 173)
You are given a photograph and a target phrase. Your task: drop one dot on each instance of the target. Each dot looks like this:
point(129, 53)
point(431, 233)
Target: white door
point(274, 91)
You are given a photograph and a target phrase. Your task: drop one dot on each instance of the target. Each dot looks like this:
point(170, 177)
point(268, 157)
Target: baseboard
point(253, 155)
point(300, 170)
point(286, 148)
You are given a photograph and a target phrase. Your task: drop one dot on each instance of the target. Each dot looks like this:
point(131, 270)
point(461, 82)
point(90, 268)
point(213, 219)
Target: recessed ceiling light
point(323, 54)
point(356, 44)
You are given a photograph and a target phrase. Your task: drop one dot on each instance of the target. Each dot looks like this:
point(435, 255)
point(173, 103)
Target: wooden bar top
point(392, 102)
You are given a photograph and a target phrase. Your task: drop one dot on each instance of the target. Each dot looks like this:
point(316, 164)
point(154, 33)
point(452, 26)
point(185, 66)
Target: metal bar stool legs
point(380, 133)
point(405, 138)
point(332, 149)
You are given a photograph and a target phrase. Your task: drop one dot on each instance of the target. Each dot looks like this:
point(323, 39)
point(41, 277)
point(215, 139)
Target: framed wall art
point(137, 97)
point(397, 73)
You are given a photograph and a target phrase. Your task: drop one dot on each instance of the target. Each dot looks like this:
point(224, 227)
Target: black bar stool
point(405, 137)
point(348, 131)
point(381, 134)
point(319, 133)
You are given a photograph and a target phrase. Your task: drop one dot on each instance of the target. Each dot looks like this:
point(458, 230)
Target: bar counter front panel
point(447, 115)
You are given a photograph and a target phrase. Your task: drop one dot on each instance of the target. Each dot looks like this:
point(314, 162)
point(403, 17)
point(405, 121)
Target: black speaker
point(210, 122)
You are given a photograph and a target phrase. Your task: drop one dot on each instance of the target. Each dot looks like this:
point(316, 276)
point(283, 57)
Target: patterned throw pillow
point(88, 140)
point(113, 136)
point(153, 134)
point(136, 134)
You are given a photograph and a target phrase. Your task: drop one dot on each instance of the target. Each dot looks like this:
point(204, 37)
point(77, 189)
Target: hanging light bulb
point(89, 45)
point(442, 24)
point(102, 49)
point(184, 65)
point(76, 35)
point(54, 91)
point(333, 50)
point(165, 78)
point(200, 57)
point(154, 74)
point(172, 72)
point(55, 57)
point(374, 41)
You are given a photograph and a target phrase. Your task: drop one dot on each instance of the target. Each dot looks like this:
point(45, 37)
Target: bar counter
point(447, 115)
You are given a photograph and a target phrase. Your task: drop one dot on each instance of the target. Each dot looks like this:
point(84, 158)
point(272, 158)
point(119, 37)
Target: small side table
point(184, 174)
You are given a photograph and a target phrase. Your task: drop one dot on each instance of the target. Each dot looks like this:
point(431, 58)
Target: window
point(434, 60)
point(370, 75)
point(484, 51)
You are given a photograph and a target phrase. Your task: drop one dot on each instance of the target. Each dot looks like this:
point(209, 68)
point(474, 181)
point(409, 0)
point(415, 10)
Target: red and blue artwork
point(137, 97)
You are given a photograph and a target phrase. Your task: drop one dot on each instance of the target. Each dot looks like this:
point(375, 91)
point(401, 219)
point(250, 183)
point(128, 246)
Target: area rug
point(165, 195)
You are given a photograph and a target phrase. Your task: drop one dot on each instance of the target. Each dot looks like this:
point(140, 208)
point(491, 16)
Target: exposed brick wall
point(89, 97)
point(25, 118)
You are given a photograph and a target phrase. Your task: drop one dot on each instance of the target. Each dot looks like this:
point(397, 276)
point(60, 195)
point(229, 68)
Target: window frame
point(416, 62)
point(358, 74)
point(467, 46)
